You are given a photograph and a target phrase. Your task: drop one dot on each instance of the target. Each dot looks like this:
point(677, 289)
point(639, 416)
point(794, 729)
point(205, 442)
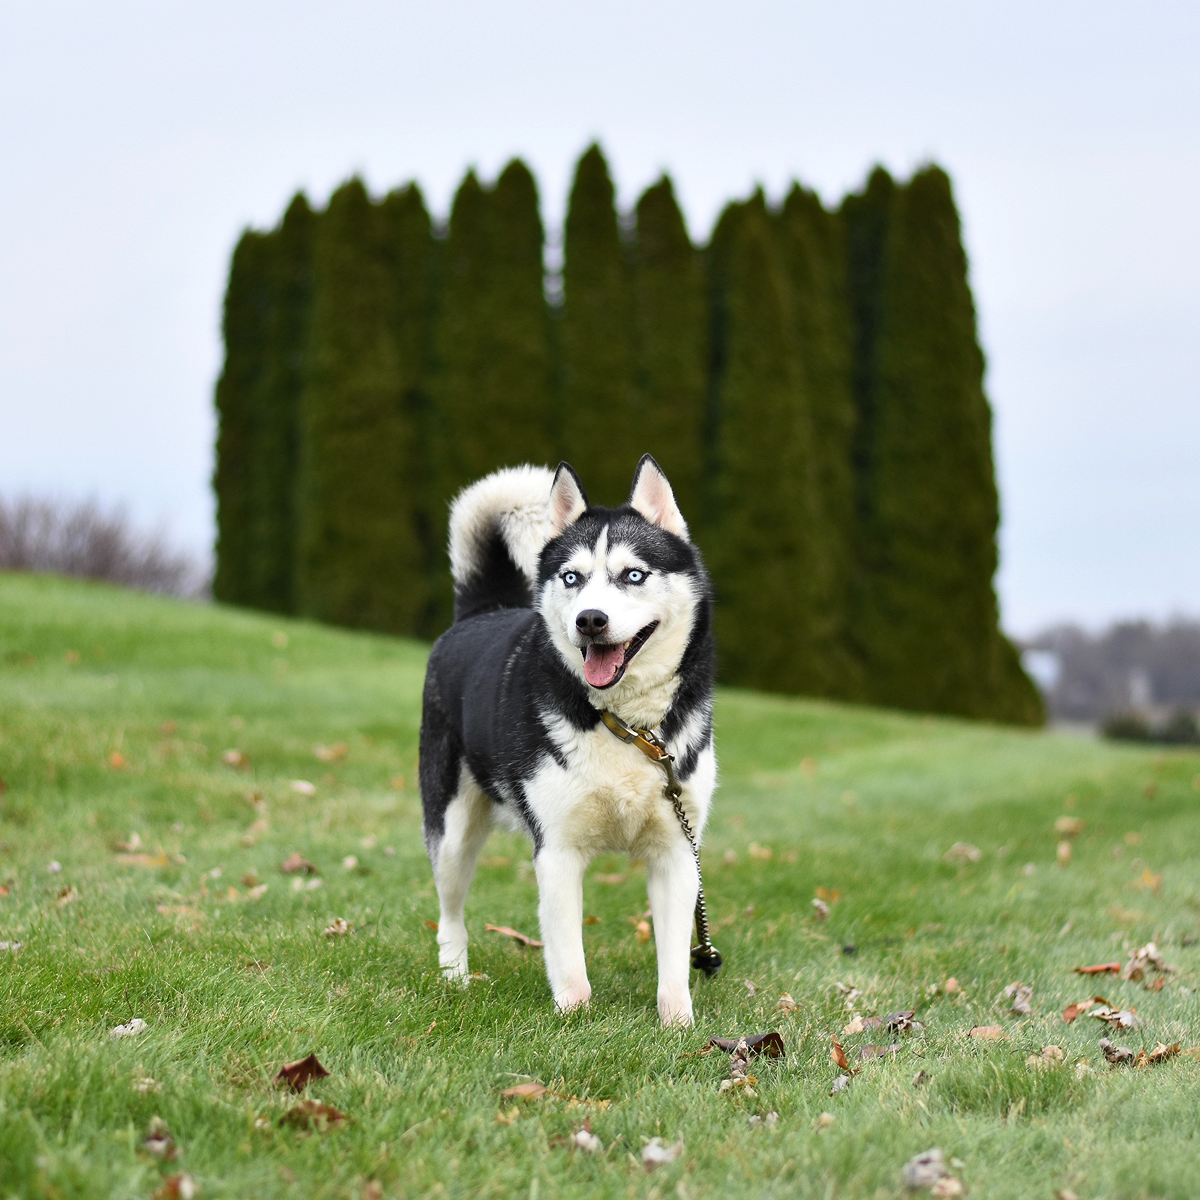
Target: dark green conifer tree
point(814, 256)
point(273, 519)
point(765, 548)
point(412, 257)
point(493, 390)
point(599, 416)
point(246, 324)
point(360, 560)
point(670, 345)
point(927, 619)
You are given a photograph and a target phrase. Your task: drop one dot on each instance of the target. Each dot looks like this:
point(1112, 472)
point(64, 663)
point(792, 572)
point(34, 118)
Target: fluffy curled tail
point(498, 527)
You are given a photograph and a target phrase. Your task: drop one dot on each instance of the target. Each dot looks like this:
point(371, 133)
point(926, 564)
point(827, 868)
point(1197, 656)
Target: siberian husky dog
point(564, 609)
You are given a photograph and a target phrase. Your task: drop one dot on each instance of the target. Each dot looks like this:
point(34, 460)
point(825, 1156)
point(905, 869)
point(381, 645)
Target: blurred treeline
point(810, 380)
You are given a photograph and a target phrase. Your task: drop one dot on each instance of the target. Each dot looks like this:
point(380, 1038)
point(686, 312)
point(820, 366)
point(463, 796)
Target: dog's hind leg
point(560, 912)
point(467, 823)
point(672, 883)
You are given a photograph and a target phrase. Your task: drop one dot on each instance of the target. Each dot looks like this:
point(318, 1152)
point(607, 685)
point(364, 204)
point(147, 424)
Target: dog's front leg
point(672, 885)
point(560, 910)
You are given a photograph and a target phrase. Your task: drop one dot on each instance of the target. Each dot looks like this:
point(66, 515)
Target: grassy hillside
point(115, 713)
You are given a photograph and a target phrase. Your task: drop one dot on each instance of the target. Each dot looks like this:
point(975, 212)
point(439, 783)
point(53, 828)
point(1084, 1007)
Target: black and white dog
point(564, 609)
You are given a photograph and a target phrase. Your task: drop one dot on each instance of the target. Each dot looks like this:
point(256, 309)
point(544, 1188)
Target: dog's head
point(620, 588)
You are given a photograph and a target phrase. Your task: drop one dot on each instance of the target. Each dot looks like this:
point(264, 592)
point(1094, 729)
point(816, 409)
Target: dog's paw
point(675, 1010)
point(576, 996)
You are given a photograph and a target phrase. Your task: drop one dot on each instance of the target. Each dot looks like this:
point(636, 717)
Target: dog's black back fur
point(495, 675)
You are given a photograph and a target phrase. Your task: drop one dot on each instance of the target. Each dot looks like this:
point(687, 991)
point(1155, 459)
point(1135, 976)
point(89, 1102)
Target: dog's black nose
point(591, 622)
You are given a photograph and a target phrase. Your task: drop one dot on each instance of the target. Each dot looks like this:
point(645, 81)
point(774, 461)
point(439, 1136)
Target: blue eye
point(633, 575)
point(570, 578)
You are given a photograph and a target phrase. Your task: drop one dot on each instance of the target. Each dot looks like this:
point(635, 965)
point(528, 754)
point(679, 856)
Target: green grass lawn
point(116, 711)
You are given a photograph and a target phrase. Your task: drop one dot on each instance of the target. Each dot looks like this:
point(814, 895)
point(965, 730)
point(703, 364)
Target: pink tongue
point(601, 664)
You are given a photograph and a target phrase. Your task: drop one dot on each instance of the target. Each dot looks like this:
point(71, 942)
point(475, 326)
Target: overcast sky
point(137, 140)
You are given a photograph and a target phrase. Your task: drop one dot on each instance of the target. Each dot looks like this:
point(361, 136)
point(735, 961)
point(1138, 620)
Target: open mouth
point(604, 664)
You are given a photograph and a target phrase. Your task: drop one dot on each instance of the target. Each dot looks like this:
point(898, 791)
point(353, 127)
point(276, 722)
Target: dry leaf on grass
point(986, 1033)
point(299, 1074)
point(178, 1187)
point(924, 1170)
point(297, 864)
point(643, 931)
point(527, 1091)
point(338, 927)
point(1112, 968)
point(312, 1114)
point(840, 1084)
point(868, 1052)
point(130, 847)
point(591, 920)
point(257, 892)
point(331, 754)
point(948, 1188)
point(1073, 1010)
point(750, 986)
point(787, 1004)
point(152, 861)
point(820, 909)
point(1050, 1057)
point(962, 852)
point(765, 1045)
point(508, 932)
point(1062, 853)
point(586, 1140)
point(1126, 1018)
point(656, 1153)
point(158, 1141)
point(1117, 1055)
point(1149, 882)
point(116, 760)
point(235, 759)
point(951, 986)
point(131, 1029)
point(303, 787)
point(902, 1022)
point(66, 895)
point(1144, 958)
point(760, 853)
point(1069, 826)
point(1161, 1053)
point(1021, 996)
point(838, 1056)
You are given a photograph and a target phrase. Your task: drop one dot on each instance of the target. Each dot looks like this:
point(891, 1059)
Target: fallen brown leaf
point(430, 925)
point(178, 1187)
point(1149, 882)
point(962, 852)
point(643, 931)
point(299, 1074)
point(829, 895)
point(764, 1045)
point(297, 864)
point(1117, 1055)
point(527, 1091)
point(1021, 995)
point(1118, 1018)
point(235, 759)
point(130, 847)
point(116, 760)
point(590, 920)
point(1070, 826)
point(312, 1114)
point(66, 895)
point(507, 931)
point(867, 1052)
point(331, 754)
point(760, 853)
point(152, 861)
point(1161, 1053)
point(158, 1141)
point(787, 1004)
point(838, 1056)
point(951, 986)
point(338, 927)
point(901, 1022)
point(986, 1033)
point(820, 909)
point(1113, 968)
point(1073, 1010)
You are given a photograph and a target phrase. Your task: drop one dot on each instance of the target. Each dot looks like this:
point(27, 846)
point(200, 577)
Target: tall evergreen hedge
point(765, 544)
point(811, 381)
point(812, 251)
point(927, 623)
point(246, 324)
point(273, 519)
point(360, 559)
point(670, 345)
point(599, 417)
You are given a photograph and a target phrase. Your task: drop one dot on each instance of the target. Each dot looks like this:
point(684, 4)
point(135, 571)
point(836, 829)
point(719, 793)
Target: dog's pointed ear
point(568, 500)
point(651, 496)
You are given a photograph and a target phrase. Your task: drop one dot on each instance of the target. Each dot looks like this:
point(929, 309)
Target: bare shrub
point(82, 539)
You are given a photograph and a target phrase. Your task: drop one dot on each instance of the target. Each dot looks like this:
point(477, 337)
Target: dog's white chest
point(609, 797)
